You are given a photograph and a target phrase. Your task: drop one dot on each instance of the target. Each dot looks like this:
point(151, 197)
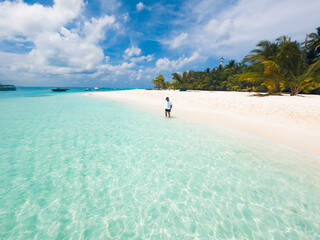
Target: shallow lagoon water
point(75, 167)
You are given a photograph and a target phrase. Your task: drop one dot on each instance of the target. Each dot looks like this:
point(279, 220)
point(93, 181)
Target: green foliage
point(313, 46)
point(273, 67)
point(297, 72)
point(159, 82)
point(168, 85)
point(266, 55)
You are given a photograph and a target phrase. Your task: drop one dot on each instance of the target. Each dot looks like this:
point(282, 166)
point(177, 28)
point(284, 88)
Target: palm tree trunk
point(295, 89)
point(277, 86)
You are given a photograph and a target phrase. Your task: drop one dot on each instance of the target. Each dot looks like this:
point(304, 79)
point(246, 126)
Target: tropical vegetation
point(274, 67)
point(159, 82)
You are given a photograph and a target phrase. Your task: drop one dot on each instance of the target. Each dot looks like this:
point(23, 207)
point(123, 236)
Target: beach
point(293, 121)
point(79, 167)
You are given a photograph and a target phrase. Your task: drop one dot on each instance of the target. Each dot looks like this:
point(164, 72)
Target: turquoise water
point(46, 91)
point(75, 167)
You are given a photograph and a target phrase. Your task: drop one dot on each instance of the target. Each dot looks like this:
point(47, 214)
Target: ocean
point(77, 167)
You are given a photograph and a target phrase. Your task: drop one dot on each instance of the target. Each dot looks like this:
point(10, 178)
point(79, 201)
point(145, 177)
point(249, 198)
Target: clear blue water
point(75, 167)
point(45, 91)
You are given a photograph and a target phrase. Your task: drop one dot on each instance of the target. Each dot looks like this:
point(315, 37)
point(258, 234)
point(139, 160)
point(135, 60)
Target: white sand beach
point(290, 120)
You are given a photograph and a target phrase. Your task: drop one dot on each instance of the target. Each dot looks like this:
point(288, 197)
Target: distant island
point(273, 67)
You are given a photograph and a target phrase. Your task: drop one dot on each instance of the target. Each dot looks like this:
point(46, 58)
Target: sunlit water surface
point(75, 167)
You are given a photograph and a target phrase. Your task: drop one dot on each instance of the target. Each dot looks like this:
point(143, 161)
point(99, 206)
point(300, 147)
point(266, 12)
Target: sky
point(127, 43)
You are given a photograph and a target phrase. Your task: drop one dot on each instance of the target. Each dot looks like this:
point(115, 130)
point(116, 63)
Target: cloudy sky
point(126, 43)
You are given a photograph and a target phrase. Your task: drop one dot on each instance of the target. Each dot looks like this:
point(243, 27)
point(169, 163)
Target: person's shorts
point(168, 110)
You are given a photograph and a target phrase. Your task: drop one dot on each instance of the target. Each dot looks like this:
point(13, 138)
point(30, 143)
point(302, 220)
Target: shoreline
point(288, 120)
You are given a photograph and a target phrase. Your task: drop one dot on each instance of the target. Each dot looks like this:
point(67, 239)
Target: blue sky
point(126, 43)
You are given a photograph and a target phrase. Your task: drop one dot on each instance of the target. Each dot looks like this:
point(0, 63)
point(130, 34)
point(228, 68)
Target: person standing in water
point(168, 107)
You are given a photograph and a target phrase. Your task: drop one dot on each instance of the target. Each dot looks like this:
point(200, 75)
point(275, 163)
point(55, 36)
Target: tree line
point(274, 67)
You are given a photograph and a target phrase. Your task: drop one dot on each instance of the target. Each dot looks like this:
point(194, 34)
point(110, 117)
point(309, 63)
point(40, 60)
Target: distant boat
point(96, 88)
point(88, 89)
point(7, 87)
point(60, 89)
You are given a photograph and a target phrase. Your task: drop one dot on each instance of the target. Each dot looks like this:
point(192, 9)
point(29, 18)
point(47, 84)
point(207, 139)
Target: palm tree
point(266, 54)
point(265, 50)
point(313, 46)
point(283, 39)
point(179, 80)
point(231, 66)
point(294, 66)
point(253, 76)
point(159, 82)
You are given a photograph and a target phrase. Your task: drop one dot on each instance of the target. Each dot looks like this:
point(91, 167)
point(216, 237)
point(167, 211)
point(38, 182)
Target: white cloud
point(74, 50)
point(147, 58)
point(21, 19)
point(128, 67)
point(110, 7)
point(96, 28)
point(123, 72)
point(118, 68)
point(140, 6)
point(139, 74)
point(218, 29)
point(125, 17)
point(236, 29)
point(66, 49)
point(270, 19)
point(56, 49)
point(133, 54)
point(179, 40)
point(132, 51)
point(165, 64)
